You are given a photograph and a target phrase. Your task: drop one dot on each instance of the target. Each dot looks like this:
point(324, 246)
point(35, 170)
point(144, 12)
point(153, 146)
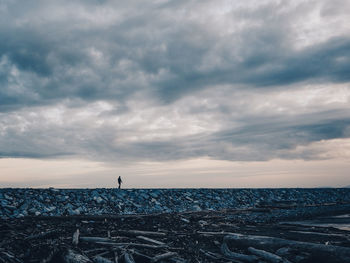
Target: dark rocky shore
point(17, 203)
point(175, 225)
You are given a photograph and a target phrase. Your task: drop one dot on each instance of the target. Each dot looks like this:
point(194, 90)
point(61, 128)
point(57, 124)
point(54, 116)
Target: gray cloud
point(166, 59)
point(89, 56)
point(162, 134)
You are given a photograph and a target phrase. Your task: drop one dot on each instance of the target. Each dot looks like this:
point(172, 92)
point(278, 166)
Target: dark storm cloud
point(251, 143)
point(274, 66)
point(263, 139)
point(274, 140)
point(156, 54)
point(27, 50)
point(138, 47)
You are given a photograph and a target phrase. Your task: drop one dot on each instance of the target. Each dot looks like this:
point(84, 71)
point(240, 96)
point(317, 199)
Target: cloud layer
point(169, 80)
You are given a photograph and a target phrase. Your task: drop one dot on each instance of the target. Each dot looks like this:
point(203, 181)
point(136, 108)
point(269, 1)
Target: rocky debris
point(324, 252)
point(17, 203)
point(205, 236)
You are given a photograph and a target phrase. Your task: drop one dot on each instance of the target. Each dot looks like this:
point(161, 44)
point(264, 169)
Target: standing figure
point(119, 182)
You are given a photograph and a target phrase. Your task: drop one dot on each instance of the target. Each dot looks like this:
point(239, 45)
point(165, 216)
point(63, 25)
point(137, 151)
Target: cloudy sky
point(174, 93)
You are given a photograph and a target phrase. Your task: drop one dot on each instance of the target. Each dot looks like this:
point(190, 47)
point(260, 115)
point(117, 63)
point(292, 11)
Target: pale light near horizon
point(197, 173)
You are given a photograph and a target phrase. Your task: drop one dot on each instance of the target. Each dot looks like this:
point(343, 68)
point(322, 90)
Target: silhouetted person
point(119, 182)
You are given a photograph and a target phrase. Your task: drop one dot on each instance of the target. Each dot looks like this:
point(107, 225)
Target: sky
point(174, 93)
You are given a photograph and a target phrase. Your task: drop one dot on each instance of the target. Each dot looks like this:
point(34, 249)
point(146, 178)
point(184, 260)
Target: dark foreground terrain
point(270, 233)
